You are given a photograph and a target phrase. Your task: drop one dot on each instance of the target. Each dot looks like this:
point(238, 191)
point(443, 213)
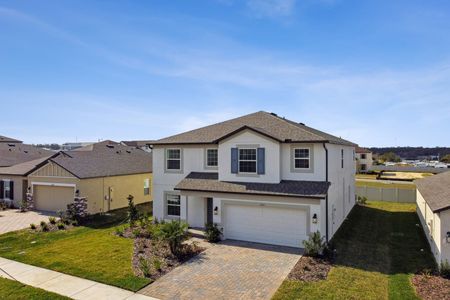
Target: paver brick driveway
point(13, 219)
point(229, 270)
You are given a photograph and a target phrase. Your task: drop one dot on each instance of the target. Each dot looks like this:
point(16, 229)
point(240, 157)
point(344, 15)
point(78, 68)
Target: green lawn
point(379, 248)
point(91, 251)
point(381, 184)
point(13, 290)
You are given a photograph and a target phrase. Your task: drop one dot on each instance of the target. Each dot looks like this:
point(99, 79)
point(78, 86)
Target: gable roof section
point(104, 159)
point(24, 168)
point(268, 124)
point(5, 139)
point(208, 182)
point(436, 191)
point(15, 153)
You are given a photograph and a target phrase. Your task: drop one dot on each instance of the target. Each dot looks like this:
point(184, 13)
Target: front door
point(209, 210)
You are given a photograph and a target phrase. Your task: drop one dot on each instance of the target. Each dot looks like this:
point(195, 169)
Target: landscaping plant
point(362, 200)
point(315, 244)
point(32, 226)
point(144, 266)
point(52, 220)
point(133, 213)
point(213, 233)
point(444, 269)
point(174, 233)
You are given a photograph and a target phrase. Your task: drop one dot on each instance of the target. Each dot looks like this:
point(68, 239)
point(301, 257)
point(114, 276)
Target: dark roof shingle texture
point(208, 182)
point(5, 139)
point(105, 159)
point(16, 153)
point(266, 123)
point(24, 168)
point(436, 191)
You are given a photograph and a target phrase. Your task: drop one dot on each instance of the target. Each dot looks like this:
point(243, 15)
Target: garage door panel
point(52, 198)
point(265, 224)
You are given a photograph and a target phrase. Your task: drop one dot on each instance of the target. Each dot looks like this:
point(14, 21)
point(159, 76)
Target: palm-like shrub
point(174, 233)
point(315, 244)
point(213, 233)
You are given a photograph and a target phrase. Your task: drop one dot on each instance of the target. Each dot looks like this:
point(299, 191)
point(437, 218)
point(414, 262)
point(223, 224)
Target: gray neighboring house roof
point(5, 139)
point(140, 143)
point(436, 191)
point(15, 153)
point(208, 182)
point(104, 159)
point(268, 124)
point(23, 169)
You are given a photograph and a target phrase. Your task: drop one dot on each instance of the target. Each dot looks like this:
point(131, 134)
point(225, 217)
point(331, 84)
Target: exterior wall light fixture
point(314, 219)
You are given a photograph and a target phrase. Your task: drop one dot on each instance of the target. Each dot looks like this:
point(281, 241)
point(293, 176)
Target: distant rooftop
point(5, 139)
point(16, 153)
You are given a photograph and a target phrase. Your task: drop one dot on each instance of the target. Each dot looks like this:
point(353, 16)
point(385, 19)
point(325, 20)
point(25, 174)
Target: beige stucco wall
point(18, 187)
point(96, 190)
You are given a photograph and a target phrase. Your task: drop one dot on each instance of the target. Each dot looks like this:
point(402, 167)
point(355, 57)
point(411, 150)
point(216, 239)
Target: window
point(146, 186)
point(6, 189)
point(342, 158)
point(301, 158)
point(211, 157)
point(173, 159)
point(173, 205)
point(363, 167)
point(247, 160)
point(363, 156)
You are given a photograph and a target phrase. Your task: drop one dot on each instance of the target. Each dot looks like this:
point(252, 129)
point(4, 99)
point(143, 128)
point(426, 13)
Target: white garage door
point(52, 198)
point(265, 224)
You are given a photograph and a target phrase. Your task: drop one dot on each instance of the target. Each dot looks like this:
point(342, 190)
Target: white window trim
point(6, 181)
point(255, 160)
point(147, 180)
point(166, 160)
point(166, 204)
point(303, 158)
point(206, 159)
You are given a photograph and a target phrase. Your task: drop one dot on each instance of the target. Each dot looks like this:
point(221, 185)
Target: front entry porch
point(199, 211)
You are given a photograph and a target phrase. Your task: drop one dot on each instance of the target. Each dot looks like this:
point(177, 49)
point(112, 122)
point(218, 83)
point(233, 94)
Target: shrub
point(52, 220)
point(61, 226)
point(444, 269)
point(32, 226)
point(43, 223)
point(74, 223)
point(157, 264)
point(119, 231)
point(144, 266)
point(44, 226)
point(133, 213)
point(213, 233)
point(362, 200)
point(315, 244)
point(136, 232)
point(174, 233)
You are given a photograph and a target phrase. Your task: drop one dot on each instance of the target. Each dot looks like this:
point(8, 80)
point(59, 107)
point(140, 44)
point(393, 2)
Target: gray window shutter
point(234, 160)
point(261, 161)
point(1, 189)
point(11, 190)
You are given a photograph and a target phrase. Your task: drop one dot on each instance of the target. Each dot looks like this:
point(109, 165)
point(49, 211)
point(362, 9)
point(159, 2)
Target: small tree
point(213, 233)
point(446, 158)
point(133, 213)
point(315, 244)
point(174, 233)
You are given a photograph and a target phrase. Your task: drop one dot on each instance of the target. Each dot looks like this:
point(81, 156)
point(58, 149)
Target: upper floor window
point(247, 160)
point(147, 186)
point(212, 158)
point(342, 158)
point(173, 159)
point(302, 158)
point(363, 156)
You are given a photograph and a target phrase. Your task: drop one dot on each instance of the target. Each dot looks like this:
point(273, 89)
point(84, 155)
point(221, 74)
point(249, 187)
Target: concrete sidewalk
point(66, 285)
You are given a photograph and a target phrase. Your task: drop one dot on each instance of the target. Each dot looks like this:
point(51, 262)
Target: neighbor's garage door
point(265, 224)
point(52, 198)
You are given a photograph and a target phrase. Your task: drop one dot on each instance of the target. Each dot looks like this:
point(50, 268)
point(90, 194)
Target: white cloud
point(271, 8)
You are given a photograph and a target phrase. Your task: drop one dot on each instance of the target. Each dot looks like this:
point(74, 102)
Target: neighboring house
point(74, 146)
point(105, 173)
point(13, 152)
point(14, 181)
point(145, 145)
point(433, 208)
point(261, 177)
point(364, 160)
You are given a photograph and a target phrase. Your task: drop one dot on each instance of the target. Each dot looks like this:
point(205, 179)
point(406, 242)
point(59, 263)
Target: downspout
point(326, 196)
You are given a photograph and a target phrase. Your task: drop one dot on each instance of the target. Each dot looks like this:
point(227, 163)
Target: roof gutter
point(326, 196)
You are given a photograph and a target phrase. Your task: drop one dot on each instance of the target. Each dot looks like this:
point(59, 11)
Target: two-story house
point(364, 160)
point(261, 177)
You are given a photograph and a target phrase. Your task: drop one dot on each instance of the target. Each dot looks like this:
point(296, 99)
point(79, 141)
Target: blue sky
point(374, 72)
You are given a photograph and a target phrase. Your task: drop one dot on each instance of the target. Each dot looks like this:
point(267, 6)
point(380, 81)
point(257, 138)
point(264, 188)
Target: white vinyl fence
point(387, 194)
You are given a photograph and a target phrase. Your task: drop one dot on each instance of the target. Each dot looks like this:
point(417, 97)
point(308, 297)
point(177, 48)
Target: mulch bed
point(431, 287)
point(310, 269)
point(157, 256)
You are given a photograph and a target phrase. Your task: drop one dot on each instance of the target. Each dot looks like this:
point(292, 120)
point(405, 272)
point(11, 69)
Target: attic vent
point(119, 151)
point(110, 146)
point(128, 151)
point(301, 123)
point(27, 151)
point(11, 145)
point(274, 114)
point(288, 140)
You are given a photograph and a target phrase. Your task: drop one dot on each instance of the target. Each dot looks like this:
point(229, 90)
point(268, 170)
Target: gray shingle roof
point(16, 153)
point(23, 169)
point(278, 128)
point(208, 182)
point(436, 191)
point(5, 139)
point(105, 159)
